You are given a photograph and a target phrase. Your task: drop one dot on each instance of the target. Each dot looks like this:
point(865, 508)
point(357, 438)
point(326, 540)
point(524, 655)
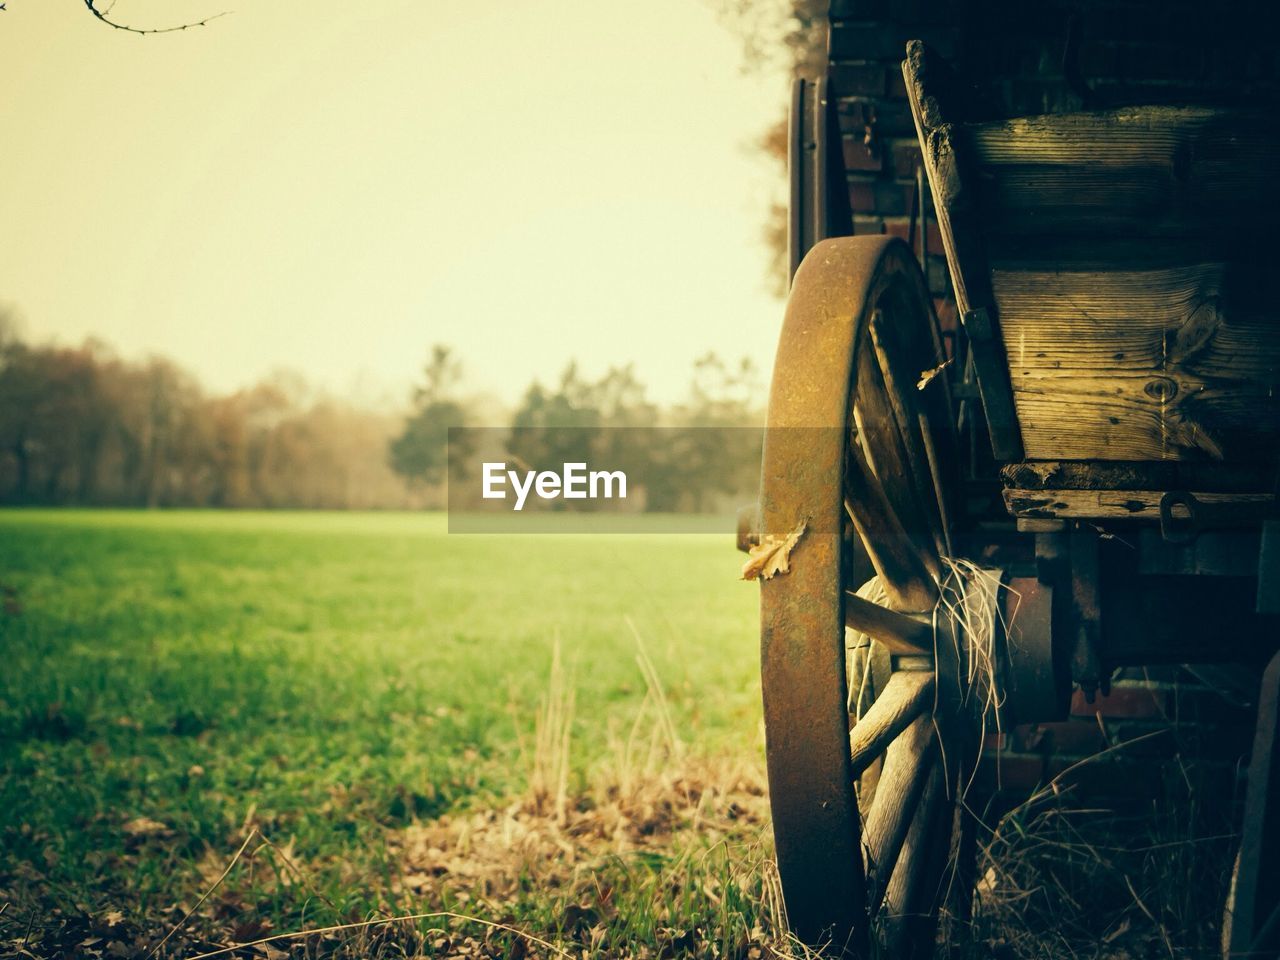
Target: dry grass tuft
point(552, 736)
point(653, 852)
point(971, 598)
point(660, 853)
point(1063, 880)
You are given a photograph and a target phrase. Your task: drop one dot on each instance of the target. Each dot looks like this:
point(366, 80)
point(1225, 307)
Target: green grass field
point(172, 681)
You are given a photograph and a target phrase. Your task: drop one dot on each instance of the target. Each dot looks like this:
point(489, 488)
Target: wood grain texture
point(1116, 257)
point(903, 896)
point(1116, 504)
point(908, 764)
point(896, 632)
point(1146, 171)
point(1258, 477)
point(906, 696)
point(1140, 364)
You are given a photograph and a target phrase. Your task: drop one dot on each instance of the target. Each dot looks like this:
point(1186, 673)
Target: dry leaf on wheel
point(927, 377)
point(772, 555)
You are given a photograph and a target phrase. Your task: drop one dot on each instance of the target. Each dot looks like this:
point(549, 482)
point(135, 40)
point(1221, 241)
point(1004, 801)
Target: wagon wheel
point(862, 800)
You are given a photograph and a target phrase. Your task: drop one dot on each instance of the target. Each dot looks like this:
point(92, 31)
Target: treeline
point(699, 455)
point(82, 426)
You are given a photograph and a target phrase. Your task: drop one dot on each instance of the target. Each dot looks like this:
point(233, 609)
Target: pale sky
point(332, 187)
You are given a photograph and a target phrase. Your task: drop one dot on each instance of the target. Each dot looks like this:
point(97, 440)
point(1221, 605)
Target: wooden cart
point(957, 528)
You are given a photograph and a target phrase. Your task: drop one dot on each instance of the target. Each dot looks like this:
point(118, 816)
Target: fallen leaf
point(927, 377)
point(772, 555)
point(989, 880)
point(112, 917)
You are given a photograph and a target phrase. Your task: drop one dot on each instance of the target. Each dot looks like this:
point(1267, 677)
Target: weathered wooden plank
point(1140, 364)
point(1186, 137)
point(1166, 475)
point(1078, 414)
point(1123, 296)
point(1101, 251)
point(1112, 504)
point(1143, 171)
point(1165, 394)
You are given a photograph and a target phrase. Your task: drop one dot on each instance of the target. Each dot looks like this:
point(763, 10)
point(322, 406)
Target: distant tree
point(556, 426)
point(716, 444)
point(585, 421)
point(80, 425)
point(52, 421)
point(778, 36)
point(723, 394)
point(420, 453)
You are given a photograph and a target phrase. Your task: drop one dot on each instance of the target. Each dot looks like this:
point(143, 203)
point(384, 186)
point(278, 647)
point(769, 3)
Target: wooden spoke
point(908, 764)
point(906, 696)
point(898, 632)
point(907, 580)
point(906, 902)
point(889, 457)
point(907, 418)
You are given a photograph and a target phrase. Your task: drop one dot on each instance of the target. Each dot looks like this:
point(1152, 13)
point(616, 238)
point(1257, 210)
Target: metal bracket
point(1086, 614)
point(819, 206)
point(1183, 516)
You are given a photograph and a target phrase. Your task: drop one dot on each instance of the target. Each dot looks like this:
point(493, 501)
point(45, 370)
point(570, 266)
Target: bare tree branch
point(102, 15)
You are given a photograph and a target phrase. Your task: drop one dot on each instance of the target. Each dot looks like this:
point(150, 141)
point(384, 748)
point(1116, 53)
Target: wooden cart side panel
point(1115, 254)
point(1197, 173)
point(1140, 365)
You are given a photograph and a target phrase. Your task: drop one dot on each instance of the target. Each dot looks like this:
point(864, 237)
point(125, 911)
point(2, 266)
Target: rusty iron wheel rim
point(819, 437)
